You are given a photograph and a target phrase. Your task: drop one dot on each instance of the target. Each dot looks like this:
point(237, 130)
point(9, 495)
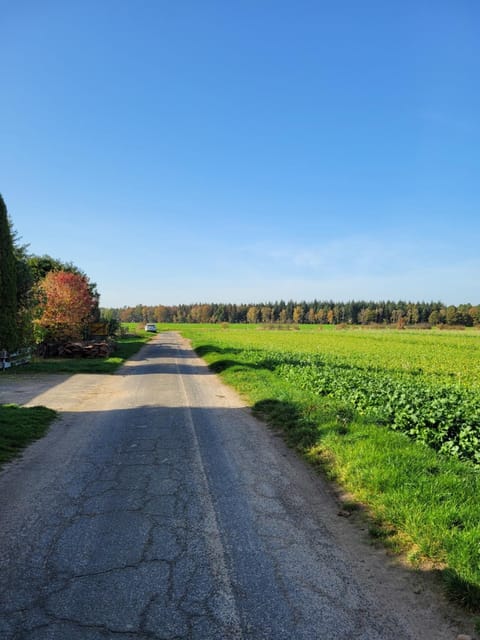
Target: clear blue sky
point(246, 150)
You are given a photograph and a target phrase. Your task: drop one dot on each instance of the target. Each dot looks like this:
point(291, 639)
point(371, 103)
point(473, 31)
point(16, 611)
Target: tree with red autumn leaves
point(65, 305)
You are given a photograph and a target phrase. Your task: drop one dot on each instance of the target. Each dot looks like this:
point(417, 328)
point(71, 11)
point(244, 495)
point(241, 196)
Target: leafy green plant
point(446, 418)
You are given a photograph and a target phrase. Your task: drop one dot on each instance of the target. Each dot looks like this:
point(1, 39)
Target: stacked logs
point(78, 349)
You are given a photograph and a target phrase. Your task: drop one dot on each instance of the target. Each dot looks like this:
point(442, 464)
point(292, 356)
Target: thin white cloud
point(348, 255)
point(356, 267)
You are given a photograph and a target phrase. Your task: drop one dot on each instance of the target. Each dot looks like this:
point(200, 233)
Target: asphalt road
point(157, 507)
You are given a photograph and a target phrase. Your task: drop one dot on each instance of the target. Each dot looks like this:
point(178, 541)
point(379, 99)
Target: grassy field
point(367, 406)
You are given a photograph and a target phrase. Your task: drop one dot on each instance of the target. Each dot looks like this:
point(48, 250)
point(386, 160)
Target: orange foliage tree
point(65, 307)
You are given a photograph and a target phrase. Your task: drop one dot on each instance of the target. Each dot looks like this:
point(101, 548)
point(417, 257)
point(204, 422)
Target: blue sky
point(246, 150)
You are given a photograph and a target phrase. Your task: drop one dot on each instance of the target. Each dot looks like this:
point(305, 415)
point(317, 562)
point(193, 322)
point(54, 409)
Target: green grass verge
point(417, 502)
point(19, 426)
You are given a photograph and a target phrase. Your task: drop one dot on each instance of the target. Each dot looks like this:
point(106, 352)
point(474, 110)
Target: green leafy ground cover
point(444, 416)
point(351, 401)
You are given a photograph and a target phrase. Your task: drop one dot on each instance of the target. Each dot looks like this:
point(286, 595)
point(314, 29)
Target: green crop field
point(453, 356)
point(392, 416)
point(426, 384)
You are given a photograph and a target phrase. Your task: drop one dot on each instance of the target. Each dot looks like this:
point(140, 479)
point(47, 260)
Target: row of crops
point(449, 356)
point(425, 385)
point(446, 417)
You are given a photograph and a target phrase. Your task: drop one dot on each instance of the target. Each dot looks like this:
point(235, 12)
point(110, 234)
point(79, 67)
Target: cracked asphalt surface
point(158, 508)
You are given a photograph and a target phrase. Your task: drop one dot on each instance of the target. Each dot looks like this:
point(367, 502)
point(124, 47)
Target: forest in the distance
point(359, 312)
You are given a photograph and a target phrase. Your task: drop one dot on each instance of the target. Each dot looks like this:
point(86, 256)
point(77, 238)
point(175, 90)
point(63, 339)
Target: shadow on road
point(149, 366)
point(23, 389)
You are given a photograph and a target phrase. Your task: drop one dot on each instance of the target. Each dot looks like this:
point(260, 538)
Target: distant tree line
point(359, 312)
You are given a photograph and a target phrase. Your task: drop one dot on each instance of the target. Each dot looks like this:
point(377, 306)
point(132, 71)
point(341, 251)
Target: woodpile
point(78, 349)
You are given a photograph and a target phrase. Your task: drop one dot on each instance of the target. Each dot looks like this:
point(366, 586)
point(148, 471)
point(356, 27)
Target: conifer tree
point(8, 283)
